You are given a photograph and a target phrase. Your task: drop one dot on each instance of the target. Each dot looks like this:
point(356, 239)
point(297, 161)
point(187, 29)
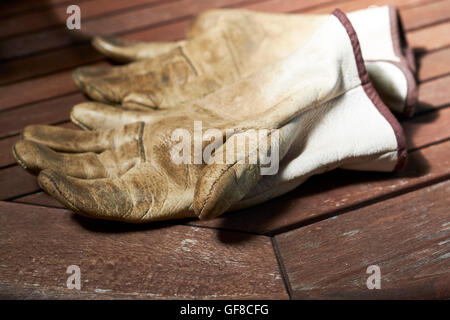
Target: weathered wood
point(15, 181)
point(336, 192)
point(15, 7)
point(6, 157)
point(54, 111)
point(434, 64)
point(407, 237)
point(420, 39)
point(32, 90)
point(47, 112)
point(125, 261)
point(39, 198)
point(427, 14)
point(433, 94)
point(56, 15)
point(427, 129)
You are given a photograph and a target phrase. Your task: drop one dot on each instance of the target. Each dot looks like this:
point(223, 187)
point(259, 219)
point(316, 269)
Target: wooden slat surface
point(408, 237)
point(56, 16)
point(38, 56)
point(124, 261)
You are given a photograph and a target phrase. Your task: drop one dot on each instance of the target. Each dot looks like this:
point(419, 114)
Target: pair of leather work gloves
point(305, 83)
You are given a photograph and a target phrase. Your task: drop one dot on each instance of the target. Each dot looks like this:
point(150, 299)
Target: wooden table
point(316, 242)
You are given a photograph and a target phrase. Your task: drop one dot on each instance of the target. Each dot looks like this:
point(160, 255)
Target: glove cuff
point(388, 56)
point(372, 93)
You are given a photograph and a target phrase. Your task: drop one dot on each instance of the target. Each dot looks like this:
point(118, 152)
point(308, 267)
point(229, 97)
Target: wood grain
point(408, 237)
point(421, 38)
point(16, 7)
point(32, 90)
point(47, 112)
point(433, 94)
point(123, 261)
point(427, 129)
point(56, 16)
point(427, 14)
point(434, 64)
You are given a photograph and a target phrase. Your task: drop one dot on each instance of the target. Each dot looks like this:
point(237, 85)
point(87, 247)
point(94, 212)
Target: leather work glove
point(227, 44)
point(128, 173)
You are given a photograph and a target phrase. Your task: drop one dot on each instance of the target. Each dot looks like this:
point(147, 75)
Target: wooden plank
point(39, 198)
point(421, 16)
point(419, 11)
point(146, 262)
point(57, 15)
point(427, 129)
point(32, 90)
point(15, 180)
point(434, 64)
point(15, 7)
point(47, 112)
point(420, 39)
point(336, 192)
point(6, 158)
point(47, 63)
point(433, 94)
point(407, 237)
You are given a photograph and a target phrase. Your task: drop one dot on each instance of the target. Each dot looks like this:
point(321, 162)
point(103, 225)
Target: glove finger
point(113, 84)
point(99, 116)
point(129, 198)
point(153, 80)
point(222, 184)
point(125, 50)
point(111, 163)
point(97, 198)
point(105, 84)
point(71, 140)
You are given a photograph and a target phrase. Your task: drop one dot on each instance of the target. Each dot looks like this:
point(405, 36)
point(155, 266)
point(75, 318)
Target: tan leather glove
point(226, 44)
point(127, 173)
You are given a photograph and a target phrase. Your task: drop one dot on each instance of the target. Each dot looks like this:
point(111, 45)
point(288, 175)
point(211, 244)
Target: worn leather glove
point(226, 44)
point(127, 173)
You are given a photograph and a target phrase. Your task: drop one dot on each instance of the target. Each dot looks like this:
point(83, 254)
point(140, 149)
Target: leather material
point(126, 172)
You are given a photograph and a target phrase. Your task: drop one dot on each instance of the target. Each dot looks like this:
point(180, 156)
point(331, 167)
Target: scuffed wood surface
point(126, 261)
point(408, 237)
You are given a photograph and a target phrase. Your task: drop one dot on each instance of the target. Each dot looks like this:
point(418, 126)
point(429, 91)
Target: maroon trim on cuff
point(407, 62)
point(399, 42)
point(372, 93)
